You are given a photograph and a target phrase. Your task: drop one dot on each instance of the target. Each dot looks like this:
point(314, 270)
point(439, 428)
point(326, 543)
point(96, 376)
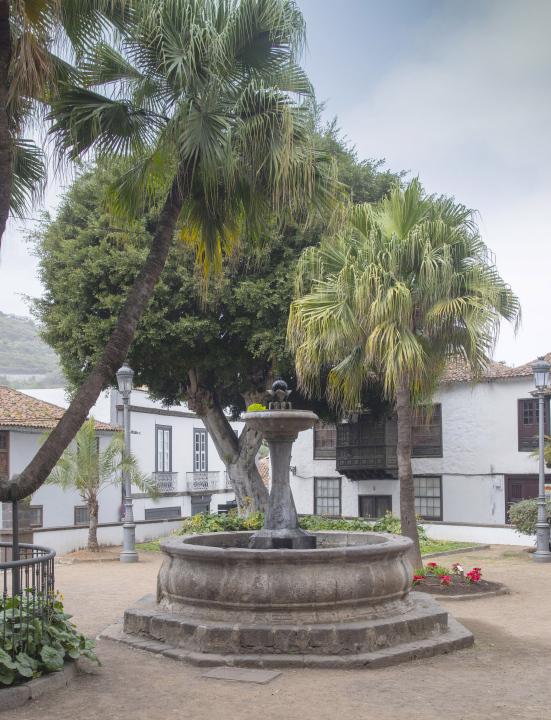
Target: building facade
point(171, 444)
point(470, 459)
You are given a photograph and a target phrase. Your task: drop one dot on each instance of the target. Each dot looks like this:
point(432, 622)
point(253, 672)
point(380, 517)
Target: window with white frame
point(327, 496)
point(164, 448)
point(200, 454)
point(428, 497)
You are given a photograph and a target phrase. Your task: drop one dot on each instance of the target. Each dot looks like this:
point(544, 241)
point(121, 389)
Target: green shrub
point(210, 522)
point(43, 648)
point(391, 523)
point(524, 515)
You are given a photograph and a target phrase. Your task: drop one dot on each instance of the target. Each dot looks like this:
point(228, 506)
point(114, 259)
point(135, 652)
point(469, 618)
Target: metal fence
point(28, 593)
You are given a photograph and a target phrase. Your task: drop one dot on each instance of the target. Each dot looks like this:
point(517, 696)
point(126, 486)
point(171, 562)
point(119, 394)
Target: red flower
point(478, 570)
point(445, 580)
point(417, 579)
point(431, 564)
point(473, 576)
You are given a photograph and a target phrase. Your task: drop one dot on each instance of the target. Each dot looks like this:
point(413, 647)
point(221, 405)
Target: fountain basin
point(351, 576)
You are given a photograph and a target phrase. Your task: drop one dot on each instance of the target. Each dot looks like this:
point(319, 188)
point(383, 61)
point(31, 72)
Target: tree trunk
point(6, 150)
point(405, 474)
point(93, 509)
point(237, 453)
point(36, 472)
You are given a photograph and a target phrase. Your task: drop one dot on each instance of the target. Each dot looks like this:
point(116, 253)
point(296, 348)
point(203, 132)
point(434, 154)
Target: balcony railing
point(166, 481)
point(206, 481)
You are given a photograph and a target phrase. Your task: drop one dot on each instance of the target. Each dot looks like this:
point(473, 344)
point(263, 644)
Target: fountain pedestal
point(280, 429)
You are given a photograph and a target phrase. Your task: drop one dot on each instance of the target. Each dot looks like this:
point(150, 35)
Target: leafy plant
point(418, 579)
point(43, 642)
point(445, 580)
point(391, 523)
point(473, 576)
point(524, 515)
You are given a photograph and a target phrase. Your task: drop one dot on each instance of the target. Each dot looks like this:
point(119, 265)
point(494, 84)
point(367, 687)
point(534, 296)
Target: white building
point(470, 461)
point(170, 443)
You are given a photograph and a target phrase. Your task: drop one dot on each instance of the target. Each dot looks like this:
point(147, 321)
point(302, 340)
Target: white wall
point(485, 535)
point(59, 507)
point(480, 447)
point(66, 540)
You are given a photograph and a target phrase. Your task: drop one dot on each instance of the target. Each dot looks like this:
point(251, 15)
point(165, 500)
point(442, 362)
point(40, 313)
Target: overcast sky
point(454, 91)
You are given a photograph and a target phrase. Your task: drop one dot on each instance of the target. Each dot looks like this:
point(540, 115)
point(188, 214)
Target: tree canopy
point(234, 337)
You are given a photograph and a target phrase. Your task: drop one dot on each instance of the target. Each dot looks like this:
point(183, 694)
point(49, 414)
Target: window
point(375, 506)
point(327, 496)
point(162, 513)
point(528, 423)
point(200, 455)
point(428, 497)
point(82, 516)
point(5, 454)
point(426, 434)
point(35, 515)
point(163, 448)
point(325, 440)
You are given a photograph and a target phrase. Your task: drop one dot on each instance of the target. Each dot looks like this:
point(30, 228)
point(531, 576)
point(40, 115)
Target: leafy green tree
point(215, 352)
point(87, 470)
point(407, 288)
point(204, 102)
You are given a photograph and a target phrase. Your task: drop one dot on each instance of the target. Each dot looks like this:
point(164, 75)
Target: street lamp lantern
point(541, 376)
point(129, 554)
point(124, 380)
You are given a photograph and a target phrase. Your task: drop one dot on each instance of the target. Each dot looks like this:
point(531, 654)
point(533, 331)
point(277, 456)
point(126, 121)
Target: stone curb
point(473, 548)
point(77, 561)
point(14, 697)
point(457, 638)
point(493, 593)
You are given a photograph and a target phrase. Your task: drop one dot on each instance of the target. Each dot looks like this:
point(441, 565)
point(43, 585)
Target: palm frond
point(29, 177)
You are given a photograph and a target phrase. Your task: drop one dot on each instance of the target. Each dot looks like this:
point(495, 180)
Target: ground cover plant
point(211, 522)
point(31, 647)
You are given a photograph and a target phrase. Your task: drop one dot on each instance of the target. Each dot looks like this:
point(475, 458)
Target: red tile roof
point(460, 371)
point(20, 410)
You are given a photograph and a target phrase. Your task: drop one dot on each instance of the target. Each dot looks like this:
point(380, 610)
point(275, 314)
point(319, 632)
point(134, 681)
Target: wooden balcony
point(367, 450)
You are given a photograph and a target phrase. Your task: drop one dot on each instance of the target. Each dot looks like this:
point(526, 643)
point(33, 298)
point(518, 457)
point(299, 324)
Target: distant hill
point(21, 349)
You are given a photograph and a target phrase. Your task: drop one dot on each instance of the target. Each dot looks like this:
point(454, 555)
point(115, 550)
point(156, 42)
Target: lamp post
point(129, 554)
point(542, 554)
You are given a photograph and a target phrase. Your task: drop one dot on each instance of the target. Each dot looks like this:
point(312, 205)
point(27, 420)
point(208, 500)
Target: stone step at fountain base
point(426, 631)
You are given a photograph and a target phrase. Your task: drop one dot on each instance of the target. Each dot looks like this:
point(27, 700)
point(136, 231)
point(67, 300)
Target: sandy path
point(506, 674)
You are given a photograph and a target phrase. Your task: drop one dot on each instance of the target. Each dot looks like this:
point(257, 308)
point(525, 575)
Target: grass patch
point(433, 546)
point(150, 545)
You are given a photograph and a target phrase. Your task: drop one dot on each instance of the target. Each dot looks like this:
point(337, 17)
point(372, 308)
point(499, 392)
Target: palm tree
point(31, 31)
point(406, 289)
point(204, 101)
point(87, 470)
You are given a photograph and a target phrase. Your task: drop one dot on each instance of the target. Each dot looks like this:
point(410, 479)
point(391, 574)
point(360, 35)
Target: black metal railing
point(28, 594)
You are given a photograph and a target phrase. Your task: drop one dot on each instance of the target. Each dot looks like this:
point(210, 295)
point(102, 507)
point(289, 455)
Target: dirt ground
point(506, 674)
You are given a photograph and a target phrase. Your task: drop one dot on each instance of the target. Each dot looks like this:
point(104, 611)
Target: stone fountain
point(282, 597)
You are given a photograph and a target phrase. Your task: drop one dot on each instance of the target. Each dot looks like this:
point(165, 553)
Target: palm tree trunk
point(36, 472)
point(93, 510)
point(6, 151)
point(405, 474)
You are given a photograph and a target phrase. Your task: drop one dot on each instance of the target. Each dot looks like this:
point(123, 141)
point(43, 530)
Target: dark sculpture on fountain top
point(281, 425)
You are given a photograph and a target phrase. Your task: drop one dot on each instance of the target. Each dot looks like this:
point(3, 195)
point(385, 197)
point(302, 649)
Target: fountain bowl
point(349, 576)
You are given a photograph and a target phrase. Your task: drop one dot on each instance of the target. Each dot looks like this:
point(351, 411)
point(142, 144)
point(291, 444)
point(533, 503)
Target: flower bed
point(438, 580)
